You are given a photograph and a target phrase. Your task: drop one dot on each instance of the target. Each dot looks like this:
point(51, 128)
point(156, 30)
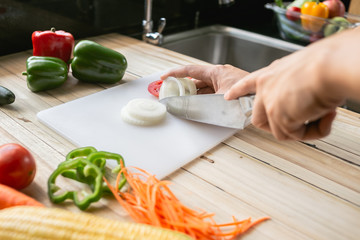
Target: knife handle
point(246, 104)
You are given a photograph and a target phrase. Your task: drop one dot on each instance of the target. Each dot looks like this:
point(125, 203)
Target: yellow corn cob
point(38, 223)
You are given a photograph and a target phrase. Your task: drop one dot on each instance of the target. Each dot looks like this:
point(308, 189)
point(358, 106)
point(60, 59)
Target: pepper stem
point(279, 3)
point(53, 29)
point(24, 73)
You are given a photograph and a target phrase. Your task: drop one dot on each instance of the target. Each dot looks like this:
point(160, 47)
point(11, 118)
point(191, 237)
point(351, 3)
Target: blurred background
point(85, 18)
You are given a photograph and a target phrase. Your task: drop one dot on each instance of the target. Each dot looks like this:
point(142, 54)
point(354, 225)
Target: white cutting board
point(95, 121)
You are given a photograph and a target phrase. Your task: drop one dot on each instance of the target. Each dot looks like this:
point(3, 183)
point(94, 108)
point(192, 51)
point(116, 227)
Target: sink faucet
point(226, 2)
point(148, 35)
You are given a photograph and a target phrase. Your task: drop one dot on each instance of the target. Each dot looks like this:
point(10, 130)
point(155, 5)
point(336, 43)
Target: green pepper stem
point(24, 73)
point(279, 3)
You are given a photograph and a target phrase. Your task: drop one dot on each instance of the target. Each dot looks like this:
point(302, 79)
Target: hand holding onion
point(209, 78)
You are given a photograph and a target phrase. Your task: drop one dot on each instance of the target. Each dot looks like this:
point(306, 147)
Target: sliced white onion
point(189, 85)
point(144, 112)
point(171, 87)
point(177, 87)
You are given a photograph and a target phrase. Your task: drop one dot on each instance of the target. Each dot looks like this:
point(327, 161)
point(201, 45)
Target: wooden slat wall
point(354, 7)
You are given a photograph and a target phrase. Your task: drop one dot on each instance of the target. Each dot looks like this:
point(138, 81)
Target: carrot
point(9, 197)
point(151, 201)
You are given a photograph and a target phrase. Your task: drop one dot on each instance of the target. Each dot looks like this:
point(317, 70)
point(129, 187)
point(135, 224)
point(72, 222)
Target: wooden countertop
point(311, 190)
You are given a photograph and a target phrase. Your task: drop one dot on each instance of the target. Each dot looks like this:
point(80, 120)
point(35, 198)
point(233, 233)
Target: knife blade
point(212, 109)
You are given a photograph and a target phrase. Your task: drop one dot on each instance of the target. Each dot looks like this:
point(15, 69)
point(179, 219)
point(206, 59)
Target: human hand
point(294, 97)
point(209, 78)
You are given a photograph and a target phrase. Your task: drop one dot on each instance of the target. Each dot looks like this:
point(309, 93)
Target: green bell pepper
point(93, 176)
point(77, 173)
point(85, 165)
point(45, 73)
point(80, 152)
point(95, 63)
point(99, 158)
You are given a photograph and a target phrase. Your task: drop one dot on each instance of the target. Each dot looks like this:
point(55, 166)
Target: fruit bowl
point(301, 28)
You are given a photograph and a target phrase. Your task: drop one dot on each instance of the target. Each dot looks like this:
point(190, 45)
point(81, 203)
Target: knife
point(212, 109)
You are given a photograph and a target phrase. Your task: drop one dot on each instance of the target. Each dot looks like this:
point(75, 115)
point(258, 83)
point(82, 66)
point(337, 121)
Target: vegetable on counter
point(92, 175)
point(154, 87)
point(143, 112)
point(317, 10)
point(177, 87)
point(17, 166)
point(45, 73)
point(99, 158)
point(95, 63)
point(53, 43)
point(11, 197)
point(6, 96)
point(35, 223)
point(151, 201)
point(85, 165)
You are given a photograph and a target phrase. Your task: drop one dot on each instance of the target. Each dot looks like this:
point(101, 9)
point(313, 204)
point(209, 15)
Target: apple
point(336, 8)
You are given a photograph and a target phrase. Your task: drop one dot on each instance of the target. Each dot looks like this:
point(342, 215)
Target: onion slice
point(177, 87)
point(189, 85)
point(143, 112)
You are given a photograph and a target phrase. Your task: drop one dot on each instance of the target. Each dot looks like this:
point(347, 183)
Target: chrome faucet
point(226, 2)
point(148, 35)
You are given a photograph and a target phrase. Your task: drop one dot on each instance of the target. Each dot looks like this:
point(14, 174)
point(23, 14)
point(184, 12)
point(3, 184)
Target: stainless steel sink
point(220, 44)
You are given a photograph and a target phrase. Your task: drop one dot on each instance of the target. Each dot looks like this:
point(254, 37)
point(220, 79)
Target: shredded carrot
point(150, 201)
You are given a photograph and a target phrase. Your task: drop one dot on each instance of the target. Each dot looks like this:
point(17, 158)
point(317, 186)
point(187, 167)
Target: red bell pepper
point(53, 43)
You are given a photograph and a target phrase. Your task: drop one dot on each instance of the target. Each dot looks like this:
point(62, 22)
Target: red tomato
point(154, 87)
point(17, 166)
point(292, 13)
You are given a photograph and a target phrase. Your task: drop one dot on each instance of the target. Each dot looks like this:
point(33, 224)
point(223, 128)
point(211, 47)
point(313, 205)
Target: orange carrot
point(10, 197)
point(151, 201)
